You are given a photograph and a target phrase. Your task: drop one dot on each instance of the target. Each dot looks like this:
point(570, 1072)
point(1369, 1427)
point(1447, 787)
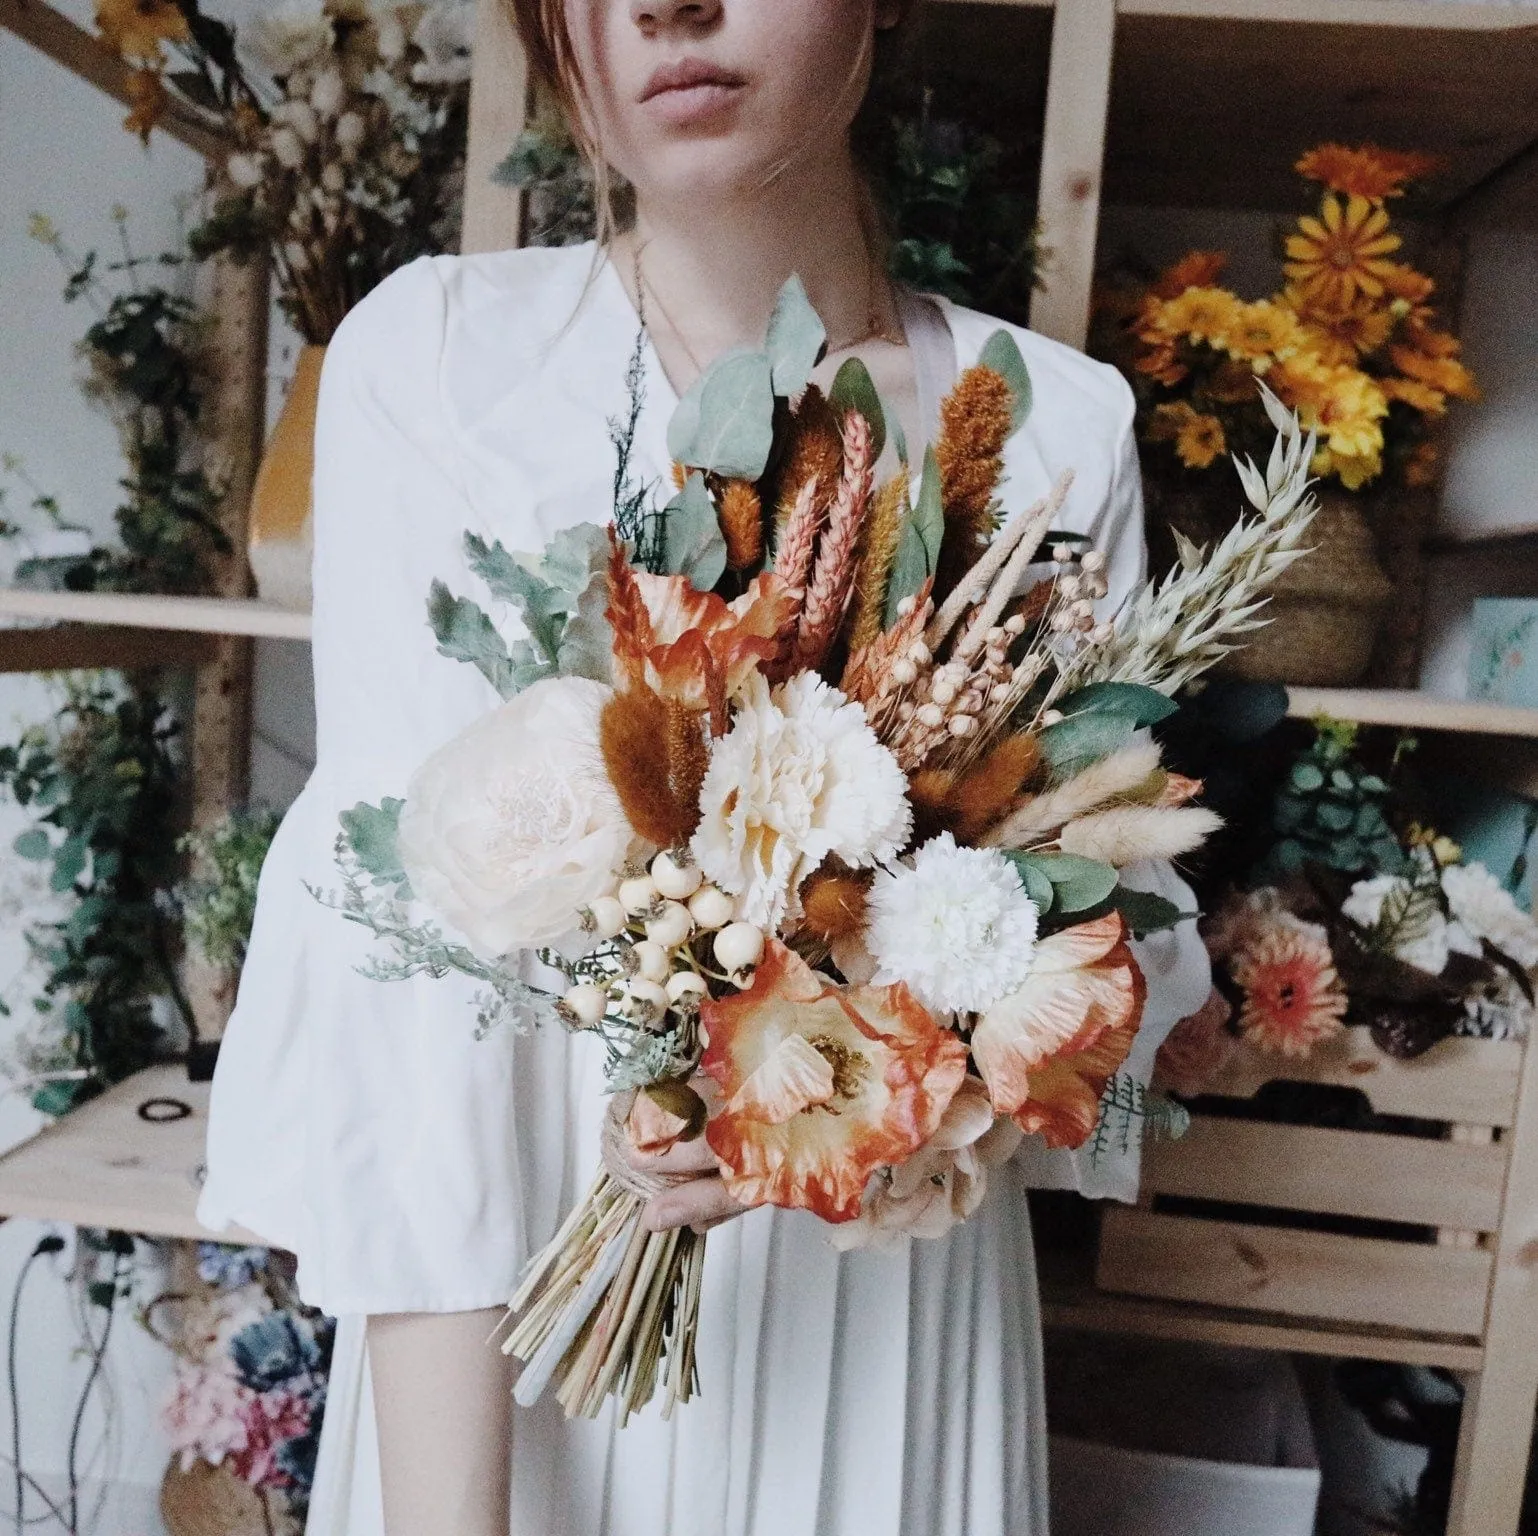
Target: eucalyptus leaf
point(854, 390)
point(465, 633)
point(692, 544)
point(725, 421)
point(918, 544)
point(372, 832)
point(1002, 353)
point(33, 844)
point(69, 863)
point(1037, 886)
point(1077, 883)
point(1131, 701)
point(796, 340)
point(1073, 744)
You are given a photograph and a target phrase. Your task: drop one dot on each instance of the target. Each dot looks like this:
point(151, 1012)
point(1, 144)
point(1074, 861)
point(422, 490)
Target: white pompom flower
point(799, 776)
point(957, 926)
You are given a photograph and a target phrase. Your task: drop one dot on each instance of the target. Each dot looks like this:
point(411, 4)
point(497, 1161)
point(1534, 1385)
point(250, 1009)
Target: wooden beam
point(78, 51)
point(64, 647)
point(499, 92)
point(1497, 1425)
point(1072, 155)
point(137, 610)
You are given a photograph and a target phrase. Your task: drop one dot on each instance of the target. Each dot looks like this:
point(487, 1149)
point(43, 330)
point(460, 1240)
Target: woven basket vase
point(212, 1501)
point(1325, 611)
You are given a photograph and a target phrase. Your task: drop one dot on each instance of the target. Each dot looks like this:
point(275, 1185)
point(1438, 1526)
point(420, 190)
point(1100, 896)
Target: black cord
point(98, 1355)
point(50, 1244)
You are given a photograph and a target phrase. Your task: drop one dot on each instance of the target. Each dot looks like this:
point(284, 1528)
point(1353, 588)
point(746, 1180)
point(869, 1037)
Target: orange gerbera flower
point(1418, 396)
point(1198, 269)
point(691, 646)
point(1162, 362)
point(1048, 1050)
point(136, 29)
point(1342, 336)
point(1293, 998)
point(1366, 171)
point(823, 1084)
point(147, 98)
point(1340, 255)
point(1405, 283)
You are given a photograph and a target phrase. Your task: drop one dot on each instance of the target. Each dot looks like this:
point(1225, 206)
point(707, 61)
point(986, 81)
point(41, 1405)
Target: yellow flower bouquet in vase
point(1351, 342)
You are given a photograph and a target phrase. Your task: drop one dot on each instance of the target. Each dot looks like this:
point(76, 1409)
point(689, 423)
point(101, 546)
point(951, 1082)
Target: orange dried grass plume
point(878, 551)
point(833, 904)
point(656, 756)
point(741, 516)
point(968, 801)
point(974, 424)
point(815, 448)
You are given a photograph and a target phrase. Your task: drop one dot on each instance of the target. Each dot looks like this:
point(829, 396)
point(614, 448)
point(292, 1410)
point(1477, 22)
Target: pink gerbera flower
point(1293, 998)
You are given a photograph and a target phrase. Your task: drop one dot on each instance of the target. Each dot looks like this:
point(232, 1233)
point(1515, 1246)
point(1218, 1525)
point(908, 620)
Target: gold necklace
point(875, 328)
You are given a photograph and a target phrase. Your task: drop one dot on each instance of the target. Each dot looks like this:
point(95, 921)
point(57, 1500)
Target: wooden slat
point(82, 54)
point(61, 647)
point(1072, 153)
point(1085, 1310)
point(1498, 1412)
point(1473, 1082)
point(1296, 1272)
point(1347, 1173)
point(103, 1166)
point(200, 615)
point(1413, 710)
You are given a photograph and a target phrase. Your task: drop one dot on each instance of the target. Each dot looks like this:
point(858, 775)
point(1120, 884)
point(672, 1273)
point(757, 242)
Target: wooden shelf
point(1412, 710)
point(196, 615)
point(1071, 1302)
point(102, 1165)
point(1473, 541)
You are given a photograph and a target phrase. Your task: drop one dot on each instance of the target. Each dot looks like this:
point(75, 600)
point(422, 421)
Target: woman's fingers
point(682, 1157)
point(701, 1203)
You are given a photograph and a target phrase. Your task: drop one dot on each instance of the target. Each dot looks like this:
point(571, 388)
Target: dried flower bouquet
point(816, 791)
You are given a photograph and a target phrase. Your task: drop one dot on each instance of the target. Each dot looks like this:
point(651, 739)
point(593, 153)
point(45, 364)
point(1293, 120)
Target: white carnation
point(1486, 908)
point(512, 828)
point(957, 926)
point(799, 776)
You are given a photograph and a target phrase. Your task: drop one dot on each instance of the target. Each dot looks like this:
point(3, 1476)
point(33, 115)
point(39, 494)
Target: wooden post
point(221, 711)
point(1497, 1428)
point(499, 91)
point(1072, 164)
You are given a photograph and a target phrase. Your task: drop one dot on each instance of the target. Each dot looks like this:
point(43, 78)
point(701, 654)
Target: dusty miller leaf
point(465, 633)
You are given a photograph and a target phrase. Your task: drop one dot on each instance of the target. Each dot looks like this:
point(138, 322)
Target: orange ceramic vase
point(280, 532)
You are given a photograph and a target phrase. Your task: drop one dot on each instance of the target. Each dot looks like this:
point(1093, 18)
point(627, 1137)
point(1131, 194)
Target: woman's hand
point(699, 1198)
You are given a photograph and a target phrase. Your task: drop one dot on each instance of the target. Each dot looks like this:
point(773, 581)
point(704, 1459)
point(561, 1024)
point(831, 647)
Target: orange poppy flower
point(1048, 1050)
point(136, 29)
point(1341, 254)
point(823, 1084)
point(1196, 269)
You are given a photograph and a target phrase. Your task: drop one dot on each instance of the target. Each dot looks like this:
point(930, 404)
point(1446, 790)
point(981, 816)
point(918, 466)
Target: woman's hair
point(546, 39)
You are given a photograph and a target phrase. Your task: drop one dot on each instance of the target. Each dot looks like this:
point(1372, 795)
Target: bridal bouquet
point(811, 795)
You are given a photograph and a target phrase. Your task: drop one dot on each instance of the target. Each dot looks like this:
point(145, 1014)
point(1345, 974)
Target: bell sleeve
point(360, 1123)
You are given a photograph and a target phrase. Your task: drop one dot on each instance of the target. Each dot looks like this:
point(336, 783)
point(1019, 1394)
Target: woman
point(414, 1168)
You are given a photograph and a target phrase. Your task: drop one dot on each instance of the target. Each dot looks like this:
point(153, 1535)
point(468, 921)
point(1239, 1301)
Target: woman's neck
point(708, 273)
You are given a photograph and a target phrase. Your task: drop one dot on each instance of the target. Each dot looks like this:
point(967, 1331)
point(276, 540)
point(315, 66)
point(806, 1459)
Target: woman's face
point(709, 98)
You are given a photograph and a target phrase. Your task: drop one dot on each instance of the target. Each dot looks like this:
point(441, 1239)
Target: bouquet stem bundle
point(610, 1308)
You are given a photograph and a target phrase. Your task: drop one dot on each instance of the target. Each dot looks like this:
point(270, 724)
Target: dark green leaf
point(102, 1293)
point(855, 390)
point(1145, 911)
point(1002, 353)
point(1307, 777)
point(692, 544)
point(725, 422)
point(1142, 706)
point(918, 546)
point(69, 863)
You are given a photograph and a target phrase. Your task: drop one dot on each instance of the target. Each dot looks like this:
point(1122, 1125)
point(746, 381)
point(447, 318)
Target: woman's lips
point(690, 91)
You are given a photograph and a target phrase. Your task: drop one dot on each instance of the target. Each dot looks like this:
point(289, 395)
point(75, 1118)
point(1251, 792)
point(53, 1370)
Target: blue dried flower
point(273, 1350)
point(230, 1268)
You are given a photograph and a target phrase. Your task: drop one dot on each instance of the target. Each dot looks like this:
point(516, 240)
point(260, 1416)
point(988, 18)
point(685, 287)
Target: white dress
point(414, 1168)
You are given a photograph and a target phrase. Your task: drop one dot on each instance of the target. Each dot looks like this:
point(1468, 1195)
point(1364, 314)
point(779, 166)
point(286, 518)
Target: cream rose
point(512, 828)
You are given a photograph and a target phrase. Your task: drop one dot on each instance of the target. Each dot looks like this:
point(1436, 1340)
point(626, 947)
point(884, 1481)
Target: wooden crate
point(1449, 1186)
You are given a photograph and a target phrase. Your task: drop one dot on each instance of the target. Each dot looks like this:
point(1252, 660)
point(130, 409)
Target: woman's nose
point(653, 16)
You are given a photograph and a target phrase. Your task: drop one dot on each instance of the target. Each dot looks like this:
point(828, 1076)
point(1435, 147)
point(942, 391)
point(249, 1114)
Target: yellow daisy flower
point(1262, 331)
point(1198, 315)
point(1418, 396)
point(1200, 441)
point(1340, 254)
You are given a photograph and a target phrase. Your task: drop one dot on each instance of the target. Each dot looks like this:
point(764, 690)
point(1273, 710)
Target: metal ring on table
point(164, 1110)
